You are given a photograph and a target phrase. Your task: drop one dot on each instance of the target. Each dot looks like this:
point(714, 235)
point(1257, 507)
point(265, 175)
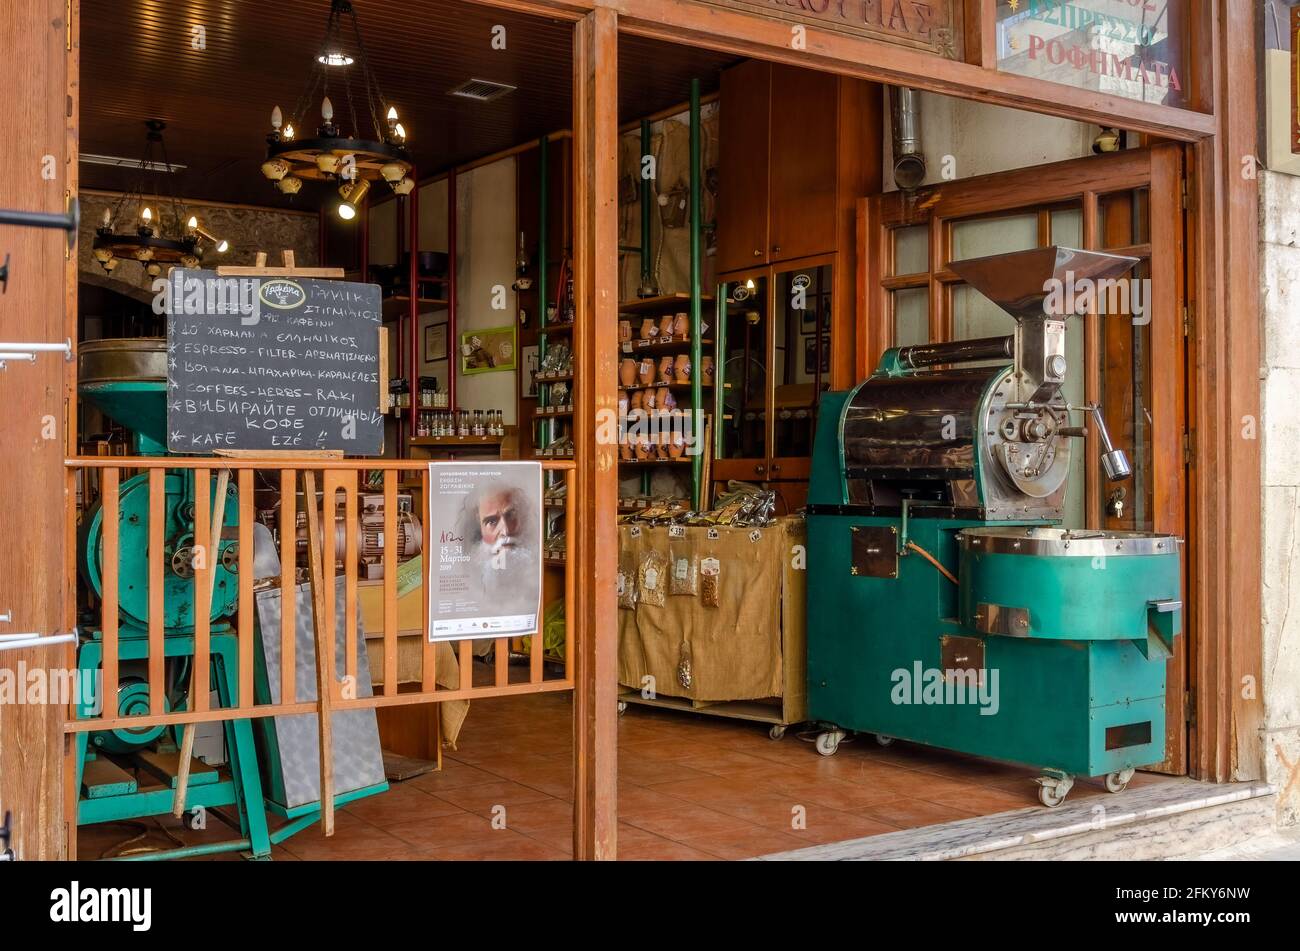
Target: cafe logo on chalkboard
point(282, 294)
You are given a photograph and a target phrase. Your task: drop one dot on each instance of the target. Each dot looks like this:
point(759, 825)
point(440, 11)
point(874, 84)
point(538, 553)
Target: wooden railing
point(337, 476)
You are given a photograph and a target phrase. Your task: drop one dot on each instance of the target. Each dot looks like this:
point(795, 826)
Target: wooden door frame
point(1075, 183)
point(38, 159)
point(596, 286)
point(1223, 361)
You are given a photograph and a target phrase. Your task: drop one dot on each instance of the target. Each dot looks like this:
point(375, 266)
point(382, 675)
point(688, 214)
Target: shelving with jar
point(663, 402)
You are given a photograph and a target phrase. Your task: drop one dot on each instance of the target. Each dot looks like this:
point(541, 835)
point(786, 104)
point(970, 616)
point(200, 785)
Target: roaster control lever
point(1113, 461)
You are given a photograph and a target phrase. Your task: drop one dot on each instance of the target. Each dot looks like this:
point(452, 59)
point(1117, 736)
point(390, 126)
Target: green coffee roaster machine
point(127, 774)
point(945, 604)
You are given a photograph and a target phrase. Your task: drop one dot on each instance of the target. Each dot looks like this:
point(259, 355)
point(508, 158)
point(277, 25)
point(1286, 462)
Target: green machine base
point(241, 787)
point(910, 669)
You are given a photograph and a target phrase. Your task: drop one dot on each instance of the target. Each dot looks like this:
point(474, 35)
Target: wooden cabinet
point(743, 178)
point(803, 161)
point(797, 148)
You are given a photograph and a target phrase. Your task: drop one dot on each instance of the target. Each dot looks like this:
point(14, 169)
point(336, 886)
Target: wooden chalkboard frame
point(289, 269)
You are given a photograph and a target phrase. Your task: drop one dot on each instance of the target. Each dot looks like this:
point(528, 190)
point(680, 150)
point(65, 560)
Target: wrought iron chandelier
point(168, 236)
point(335, 155)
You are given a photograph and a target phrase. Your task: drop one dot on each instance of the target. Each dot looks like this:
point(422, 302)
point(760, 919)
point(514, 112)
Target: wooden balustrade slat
point(245, 581)
point(350, 559)
point(156, 543)
point(200, 679)
point(429, 668)
point(390, 583)
point(322, 612)
point(288, 586)
point(109, 569)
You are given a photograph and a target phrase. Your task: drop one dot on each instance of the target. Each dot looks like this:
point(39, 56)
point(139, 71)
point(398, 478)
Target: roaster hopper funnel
point(1021, 282)
point(126, 380)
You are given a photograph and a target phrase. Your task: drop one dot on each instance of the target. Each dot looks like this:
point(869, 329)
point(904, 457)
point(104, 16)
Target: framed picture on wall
point(531, 361)
point(810, 355)
point(435, 342)
point(487, 351)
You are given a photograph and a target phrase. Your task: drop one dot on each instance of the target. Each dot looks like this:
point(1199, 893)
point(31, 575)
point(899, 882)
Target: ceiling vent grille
point(482, 90)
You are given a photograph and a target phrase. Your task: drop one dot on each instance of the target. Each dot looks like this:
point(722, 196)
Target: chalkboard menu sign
point(272, 364)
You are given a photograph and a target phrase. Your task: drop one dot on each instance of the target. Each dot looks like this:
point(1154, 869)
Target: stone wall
point(248, 230)
point(1279, 276)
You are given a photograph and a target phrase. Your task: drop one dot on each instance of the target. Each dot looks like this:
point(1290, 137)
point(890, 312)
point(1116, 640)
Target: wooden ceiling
point(137, 62)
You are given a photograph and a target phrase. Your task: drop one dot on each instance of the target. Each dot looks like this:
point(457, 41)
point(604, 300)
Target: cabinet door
point(803, 163)
point(743, 173)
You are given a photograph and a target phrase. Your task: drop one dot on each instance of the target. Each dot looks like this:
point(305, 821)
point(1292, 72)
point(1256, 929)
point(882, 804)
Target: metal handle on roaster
point(1114, 462)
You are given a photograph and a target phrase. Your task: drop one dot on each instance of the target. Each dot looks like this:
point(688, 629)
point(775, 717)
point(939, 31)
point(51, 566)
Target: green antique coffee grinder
point(945, 604)
point(130, 773)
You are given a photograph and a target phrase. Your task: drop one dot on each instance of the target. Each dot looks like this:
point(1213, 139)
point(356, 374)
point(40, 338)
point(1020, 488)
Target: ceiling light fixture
point(121, 161)
point(333, 154)
point(131, 229)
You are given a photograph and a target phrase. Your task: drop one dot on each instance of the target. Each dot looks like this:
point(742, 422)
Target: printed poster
point(485, 567)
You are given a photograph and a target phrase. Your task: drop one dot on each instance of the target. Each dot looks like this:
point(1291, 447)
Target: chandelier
point(152, 239)
point(350, 158)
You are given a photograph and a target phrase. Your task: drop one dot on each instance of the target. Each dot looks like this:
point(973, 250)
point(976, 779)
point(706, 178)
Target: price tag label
point(636, 531)
point(676, 531)
point(714, 534)
point(755, 535)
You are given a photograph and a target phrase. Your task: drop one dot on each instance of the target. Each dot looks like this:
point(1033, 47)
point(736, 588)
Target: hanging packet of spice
point(684, 579)
point(652, 581)
point(626, 584)
point(710, 580)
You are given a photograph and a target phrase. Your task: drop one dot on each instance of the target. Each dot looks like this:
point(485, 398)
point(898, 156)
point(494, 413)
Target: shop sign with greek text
point(1131, 48)
point(932, 25)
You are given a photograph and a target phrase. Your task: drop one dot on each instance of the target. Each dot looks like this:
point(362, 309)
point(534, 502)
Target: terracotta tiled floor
point(690, 787)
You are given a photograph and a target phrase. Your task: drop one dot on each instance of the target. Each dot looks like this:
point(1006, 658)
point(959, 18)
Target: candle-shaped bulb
point(193, 223)
point(401, 133)
point(327, 110)
point(277, 118)
point(392, 113)
point(147, 215)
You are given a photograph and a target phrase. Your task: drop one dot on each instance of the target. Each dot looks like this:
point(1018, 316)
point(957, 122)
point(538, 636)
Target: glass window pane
point(803, 355)
point(1067, 228)
point(1076, 496)
point(911, 316)
point(1124, 218)
point(1134, 49)
point(974, 315)
point(744, 372)
point(981, 237)
point(911, 250)
point(1126, 403)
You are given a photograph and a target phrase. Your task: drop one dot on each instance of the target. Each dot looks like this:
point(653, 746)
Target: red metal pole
point(413, 313)
point(453, 341)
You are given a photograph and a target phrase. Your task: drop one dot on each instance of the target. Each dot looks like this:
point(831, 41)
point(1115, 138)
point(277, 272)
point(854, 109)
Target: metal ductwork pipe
point(905, 126)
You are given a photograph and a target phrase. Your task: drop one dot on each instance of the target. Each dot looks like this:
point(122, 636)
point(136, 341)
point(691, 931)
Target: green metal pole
point(543, 392)
point(697, 344)
point(646, 250)
point(188, 852)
